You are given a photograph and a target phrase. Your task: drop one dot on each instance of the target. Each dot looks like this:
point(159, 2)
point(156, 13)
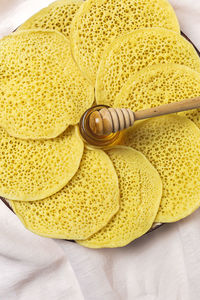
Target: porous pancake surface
point(33, 170)
point(82, 207)
point(160, 84)
point(57, 16)
point(41, 89)
point(193, 115)
point(129, 54)
point(140, 194)
point(171, 143)
point(98, 22)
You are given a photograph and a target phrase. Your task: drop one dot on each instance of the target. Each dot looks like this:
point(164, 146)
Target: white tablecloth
point(163, 265)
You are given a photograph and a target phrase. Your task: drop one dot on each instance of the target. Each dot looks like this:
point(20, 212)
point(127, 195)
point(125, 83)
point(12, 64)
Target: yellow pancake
point(160, 84)
point(98, 22)
point(33, 170)
point(171, 143)
point(135, 51)
point(81, 208)
point(140, 194)
point(57, 16)
point(41, 89)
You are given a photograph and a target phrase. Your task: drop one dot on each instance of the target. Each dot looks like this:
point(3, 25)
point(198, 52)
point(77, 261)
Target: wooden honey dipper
point(110, 120)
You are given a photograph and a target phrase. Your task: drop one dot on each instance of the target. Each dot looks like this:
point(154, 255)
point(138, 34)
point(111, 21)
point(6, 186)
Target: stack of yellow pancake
point(59, 63)
point(98, 22)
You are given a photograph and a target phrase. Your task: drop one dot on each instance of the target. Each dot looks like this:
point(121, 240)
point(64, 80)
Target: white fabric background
point(163, 265)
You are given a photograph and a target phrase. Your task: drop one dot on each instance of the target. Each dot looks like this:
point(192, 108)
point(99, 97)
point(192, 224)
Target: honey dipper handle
point(168, 109)
point(111, 120)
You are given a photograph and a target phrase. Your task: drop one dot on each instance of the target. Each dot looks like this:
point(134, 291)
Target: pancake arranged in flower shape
point(57, 16)
point(33, 170)
point(171, 143)
point(98, 22)
point(140, 194)
point(81, 208)
point(129, 54)
point(161, 84)
point(42, 91)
